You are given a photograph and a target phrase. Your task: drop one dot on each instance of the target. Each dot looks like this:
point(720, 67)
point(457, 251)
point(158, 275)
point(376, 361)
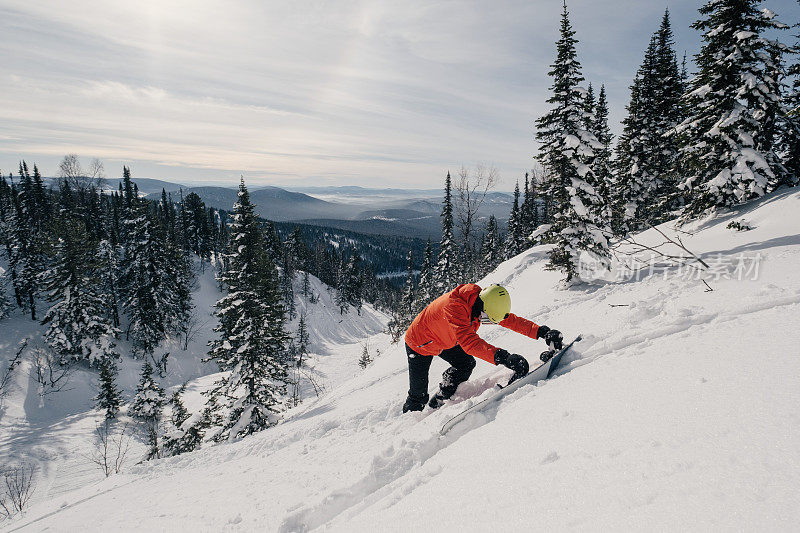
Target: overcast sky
point(371, 93)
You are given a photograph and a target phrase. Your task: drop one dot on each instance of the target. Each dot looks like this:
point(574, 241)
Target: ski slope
point(678, 410)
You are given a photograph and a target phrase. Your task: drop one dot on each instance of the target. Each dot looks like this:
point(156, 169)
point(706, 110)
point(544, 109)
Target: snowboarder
point(448, 327)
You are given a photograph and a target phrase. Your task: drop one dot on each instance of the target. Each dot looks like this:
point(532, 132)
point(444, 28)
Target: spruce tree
point(148, 404)
point(78, 326)
point(515, 238)
point(490, 247)
point(647, 162)
point(251, 344)
point(142, 265)
point(446, 271)
point(567, 151)
point(306, 290)
point(426, 288)
point(729, 138)
point(601, 167)
point(302, 340)
point(408, 298)
point(790, 130)
point(108, 396)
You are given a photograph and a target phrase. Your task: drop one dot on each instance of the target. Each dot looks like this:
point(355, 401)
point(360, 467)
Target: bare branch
point(17, 489)
point(52, 375)
point(111, 448)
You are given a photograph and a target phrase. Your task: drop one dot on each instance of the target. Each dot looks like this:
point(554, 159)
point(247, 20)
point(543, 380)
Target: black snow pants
point(461, 365)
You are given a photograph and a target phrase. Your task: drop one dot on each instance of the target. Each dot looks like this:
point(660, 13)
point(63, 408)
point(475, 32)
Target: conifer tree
point(490, 247)
point(515, 238)
point(287, 287)
point(306, 290)
point(601, 167)
point(108, 397)
point(567, 153)
point(148, 402)
point(408, 299)
point(344, 282)
point(142, 266)
point(648, 150)
point(426, 288)
point(729, 138)
point(790, 130)
point(251, 344)
point(365, 359)
point(446, 271)
point(179, 413)
point(78, 327)
point(302, 340)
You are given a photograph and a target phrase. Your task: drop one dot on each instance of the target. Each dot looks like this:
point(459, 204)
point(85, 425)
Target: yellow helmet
point(496, 302)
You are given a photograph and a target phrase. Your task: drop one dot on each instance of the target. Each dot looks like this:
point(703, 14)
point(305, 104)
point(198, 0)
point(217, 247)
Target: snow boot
point(437, 400)
point(547, 355)
point(415, 404)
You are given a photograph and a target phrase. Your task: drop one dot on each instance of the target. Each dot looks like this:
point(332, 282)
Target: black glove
point(552, 337)
point(515, 362)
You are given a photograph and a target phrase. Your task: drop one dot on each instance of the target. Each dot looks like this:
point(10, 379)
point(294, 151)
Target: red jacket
point(447, 321)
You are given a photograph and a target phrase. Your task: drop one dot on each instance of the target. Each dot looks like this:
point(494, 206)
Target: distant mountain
point(398, 212)
point(272, 203)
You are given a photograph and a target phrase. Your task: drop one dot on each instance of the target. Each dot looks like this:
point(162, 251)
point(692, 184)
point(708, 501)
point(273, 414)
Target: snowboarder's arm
point(520, 325)
point(458, 316)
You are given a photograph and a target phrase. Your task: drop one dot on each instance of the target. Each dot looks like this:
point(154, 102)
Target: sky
point(304, 93)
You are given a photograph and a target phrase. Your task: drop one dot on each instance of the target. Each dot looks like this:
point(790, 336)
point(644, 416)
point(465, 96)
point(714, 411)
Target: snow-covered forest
point(167, 365)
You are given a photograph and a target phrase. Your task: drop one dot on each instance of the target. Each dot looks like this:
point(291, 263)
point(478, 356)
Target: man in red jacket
point(448, 328)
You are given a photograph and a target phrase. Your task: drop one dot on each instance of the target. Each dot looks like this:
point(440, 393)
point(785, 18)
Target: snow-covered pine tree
point(728, 138)
point(175, 305)
point(647, 159)
point(306, 290)
point(302, 340)
point(185, 432)
point(140, 281)
point(601, 166)
point(343, 284)
point(446, 272)
point(426, 288)
point(108, 396)
point(515, 238)
point(491, 253)
point(251, 343)
point(355, 288)
point(528, 211)
point(408, 298)
point(365, 359)
point(287, 287)
point(149, 399)
point(5, 301)
point(8, 223)
point(78, 325)
point(567, 153)
point(29, 240)
point(147, 406)
point(790, 130)
point(179, 414)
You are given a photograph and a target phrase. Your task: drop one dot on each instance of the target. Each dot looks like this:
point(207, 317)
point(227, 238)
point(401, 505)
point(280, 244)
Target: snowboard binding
point(547, 355)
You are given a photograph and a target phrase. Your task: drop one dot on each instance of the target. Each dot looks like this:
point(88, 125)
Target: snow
point(677, 411)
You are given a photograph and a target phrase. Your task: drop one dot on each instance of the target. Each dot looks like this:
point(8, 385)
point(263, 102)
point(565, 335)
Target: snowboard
point(541, 372)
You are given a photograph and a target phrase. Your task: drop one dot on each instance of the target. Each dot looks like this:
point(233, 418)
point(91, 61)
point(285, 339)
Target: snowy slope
point(55, 433)
point(677, 410)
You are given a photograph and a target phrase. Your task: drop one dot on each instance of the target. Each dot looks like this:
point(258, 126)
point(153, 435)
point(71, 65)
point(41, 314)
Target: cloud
point(366, 92)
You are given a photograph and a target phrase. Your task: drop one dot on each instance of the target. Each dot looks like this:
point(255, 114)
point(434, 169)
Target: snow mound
point(677, 411)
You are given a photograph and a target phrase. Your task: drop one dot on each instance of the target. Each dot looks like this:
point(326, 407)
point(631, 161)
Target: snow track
point(678, 411)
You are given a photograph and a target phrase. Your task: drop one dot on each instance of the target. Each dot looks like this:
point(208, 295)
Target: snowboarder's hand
point(552, 337)
point(515, 362)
